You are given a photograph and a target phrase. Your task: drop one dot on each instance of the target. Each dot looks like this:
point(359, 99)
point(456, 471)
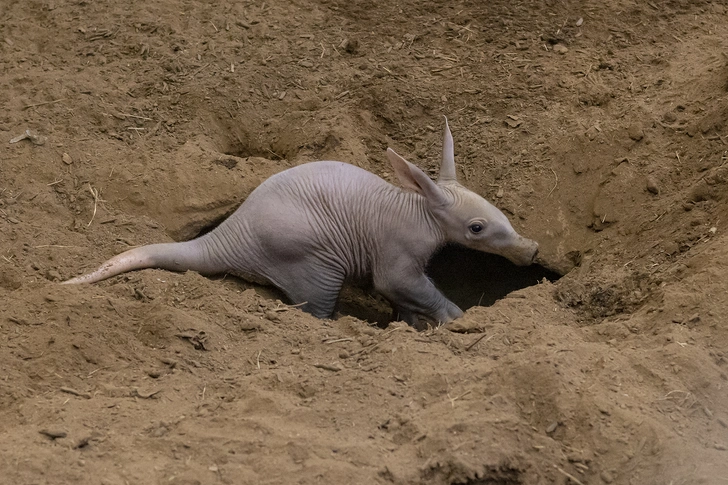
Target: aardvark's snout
point(535, 253)
point(523, 253)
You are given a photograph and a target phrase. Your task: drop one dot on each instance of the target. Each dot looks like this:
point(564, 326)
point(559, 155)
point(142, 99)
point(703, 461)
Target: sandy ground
point(599, 128)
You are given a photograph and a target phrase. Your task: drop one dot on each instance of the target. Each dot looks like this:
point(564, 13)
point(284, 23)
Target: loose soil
point(599, 128)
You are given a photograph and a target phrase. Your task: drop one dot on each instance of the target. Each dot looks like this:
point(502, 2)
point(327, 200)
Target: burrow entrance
point(472, 278)
point(467, 277)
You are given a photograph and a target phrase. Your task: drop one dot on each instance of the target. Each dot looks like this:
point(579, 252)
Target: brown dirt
point(158, 117)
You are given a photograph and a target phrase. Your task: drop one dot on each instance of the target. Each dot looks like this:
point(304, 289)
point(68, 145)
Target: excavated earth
point(599, 128)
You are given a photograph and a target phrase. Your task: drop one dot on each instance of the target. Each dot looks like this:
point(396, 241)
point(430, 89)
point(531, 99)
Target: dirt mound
point(601, 130)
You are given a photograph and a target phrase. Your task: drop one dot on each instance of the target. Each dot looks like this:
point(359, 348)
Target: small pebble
point(335, 367)
point(606, 477)
point(249, 324)
point(351, 46)
point(635, 132)
point(560, 49)
point(53, 275)
point(652, 186)
point(67, 159)
point(53, 433)
point(669, 117)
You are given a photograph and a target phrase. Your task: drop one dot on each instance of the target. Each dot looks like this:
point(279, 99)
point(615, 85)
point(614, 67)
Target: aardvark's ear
point(414, 179)
point(447, 167)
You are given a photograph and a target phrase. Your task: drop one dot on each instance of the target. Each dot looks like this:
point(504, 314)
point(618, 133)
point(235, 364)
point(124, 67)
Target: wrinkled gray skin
point(311, 228)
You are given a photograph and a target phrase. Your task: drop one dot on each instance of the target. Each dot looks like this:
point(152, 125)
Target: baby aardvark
point(311, 228)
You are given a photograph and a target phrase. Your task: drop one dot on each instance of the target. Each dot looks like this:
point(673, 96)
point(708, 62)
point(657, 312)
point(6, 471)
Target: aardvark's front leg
point(411, 293)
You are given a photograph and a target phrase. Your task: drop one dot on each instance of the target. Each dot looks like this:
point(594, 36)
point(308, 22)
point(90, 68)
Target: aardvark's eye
point(476, 228)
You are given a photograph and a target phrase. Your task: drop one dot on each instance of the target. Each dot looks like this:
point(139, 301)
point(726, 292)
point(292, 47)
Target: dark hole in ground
point(467, 277)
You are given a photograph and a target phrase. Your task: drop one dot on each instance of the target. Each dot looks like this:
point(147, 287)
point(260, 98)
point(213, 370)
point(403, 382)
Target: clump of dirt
point(599, 129)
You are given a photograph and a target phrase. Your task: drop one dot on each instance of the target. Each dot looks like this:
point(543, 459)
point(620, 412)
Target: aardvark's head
point(464, 216)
